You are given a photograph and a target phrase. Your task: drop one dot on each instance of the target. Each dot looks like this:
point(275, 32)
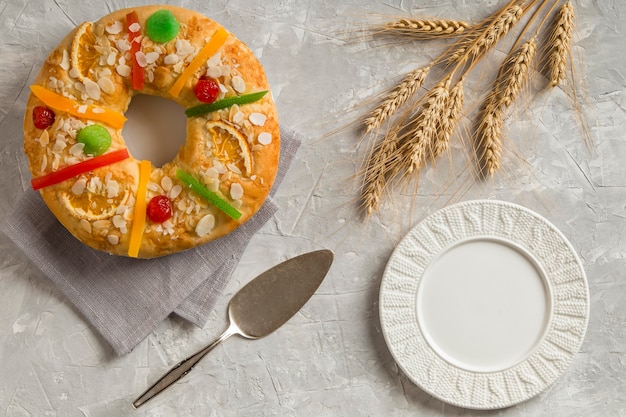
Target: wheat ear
point(426, 29)
point(559, 41)
point(509, 83)
point(474, 47)
point(489, 136)
point(515, 72)
point(375, 176)
point(397, 98)
point(454, 109)
point(421, 132)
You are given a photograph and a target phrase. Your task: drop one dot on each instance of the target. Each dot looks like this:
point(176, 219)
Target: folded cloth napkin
point(125, 299)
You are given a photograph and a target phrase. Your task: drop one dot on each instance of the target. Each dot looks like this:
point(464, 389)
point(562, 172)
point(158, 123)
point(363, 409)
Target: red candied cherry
point(207, 89)
point(43, 117)
point(159, 209)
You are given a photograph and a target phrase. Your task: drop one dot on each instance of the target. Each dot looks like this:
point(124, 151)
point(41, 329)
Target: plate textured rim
point(420, 361)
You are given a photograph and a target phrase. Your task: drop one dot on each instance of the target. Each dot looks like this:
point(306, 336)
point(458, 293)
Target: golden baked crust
point(97, 207)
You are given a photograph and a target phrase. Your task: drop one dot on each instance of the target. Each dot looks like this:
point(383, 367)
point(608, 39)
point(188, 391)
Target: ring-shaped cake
point(80, 162)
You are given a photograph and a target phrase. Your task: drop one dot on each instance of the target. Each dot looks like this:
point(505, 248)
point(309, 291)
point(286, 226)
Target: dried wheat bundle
point(425, 130)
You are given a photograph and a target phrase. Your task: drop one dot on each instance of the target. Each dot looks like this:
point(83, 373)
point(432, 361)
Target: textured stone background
point(331, 359)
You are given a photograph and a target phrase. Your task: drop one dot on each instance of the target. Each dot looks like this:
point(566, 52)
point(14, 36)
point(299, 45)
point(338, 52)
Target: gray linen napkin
point(125, 299)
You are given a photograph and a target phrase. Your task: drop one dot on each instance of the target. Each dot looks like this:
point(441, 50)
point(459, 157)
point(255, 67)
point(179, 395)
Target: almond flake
point(119, 222)
point(111, 58)
point(59, 145)
point(213, 72)
point(106, 85)
point(65, 60)
point(44, 163)
point(77, 149)
point(166, 183)
point(115, 28)
point(113, 189)
point(205, 225)
point(211, 173)
point(86, 225)
point(265, 138)
point(135, 27)
point(92, 89)
point(225, 70)
point(215, 60)
point(98, 110)
point(123, 70)
point(123, 45)
point(238, 84)
point(79, 186)
point(257, 119)
point(151, 57)
point(238, 118)
point(74, 73)
point(44, 139)
point(171, 59)
point(236, 191)
point(113, 239)
point(142, 61)
point(175, 191)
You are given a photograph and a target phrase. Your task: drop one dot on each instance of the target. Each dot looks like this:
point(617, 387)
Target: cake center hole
point(155, 130)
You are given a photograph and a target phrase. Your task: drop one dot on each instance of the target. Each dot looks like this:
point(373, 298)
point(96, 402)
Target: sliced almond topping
point(265, 138)
point(236, 191)
point(44, 139)
point(171, 59)
point(115, 28)
point(205, 225)
point(65, 60)
point(257, 119)
point(79, 186)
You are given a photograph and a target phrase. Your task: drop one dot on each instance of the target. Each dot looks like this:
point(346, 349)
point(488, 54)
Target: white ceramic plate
point(483, 304)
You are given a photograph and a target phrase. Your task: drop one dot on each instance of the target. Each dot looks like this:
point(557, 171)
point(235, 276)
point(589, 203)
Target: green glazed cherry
point(162, 26)
point(96, 139)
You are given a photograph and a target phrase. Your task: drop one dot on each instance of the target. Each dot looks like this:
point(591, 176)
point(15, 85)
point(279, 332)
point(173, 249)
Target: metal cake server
point(259, 308)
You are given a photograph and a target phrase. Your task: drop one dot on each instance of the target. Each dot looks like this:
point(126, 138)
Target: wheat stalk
point(559, 40)
point(426, 29)
point(396, 98)
point(454, 108)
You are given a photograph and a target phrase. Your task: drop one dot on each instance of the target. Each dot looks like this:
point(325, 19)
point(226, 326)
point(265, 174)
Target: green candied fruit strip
point(96, 138)
point(207, 194)
point(201, 109)
point(162, 26)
